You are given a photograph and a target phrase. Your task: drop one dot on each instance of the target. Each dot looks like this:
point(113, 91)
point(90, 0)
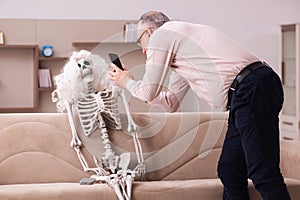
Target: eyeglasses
point(140, 38)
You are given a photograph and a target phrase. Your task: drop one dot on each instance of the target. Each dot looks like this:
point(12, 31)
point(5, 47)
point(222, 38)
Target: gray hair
point(154, 19)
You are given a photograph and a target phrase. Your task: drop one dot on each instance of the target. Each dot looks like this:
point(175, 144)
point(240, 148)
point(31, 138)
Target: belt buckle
point(234, 85)
point(232, 89)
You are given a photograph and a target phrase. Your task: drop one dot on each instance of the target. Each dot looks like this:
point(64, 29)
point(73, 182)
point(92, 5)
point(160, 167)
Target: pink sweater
point(198, 57)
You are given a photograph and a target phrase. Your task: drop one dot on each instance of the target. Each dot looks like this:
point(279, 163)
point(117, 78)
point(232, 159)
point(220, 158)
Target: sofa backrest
point(35, 147)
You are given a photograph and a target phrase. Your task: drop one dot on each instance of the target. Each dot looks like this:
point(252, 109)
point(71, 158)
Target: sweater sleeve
point(170, 100)
point(161, 51)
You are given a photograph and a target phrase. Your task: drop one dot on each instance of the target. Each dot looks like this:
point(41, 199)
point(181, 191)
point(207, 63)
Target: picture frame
point(1, 37)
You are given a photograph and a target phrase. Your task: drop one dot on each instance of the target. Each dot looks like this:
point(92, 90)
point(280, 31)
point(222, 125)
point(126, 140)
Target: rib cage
point(104, 103)
point(88, 111)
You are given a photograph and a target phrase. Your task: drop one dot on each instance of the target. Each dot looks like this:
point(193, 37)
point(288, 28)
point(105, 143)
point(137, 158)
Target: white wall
point(253, 23)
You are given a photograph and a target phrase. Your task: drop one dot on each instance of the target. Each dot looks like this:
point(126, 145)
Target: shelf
point(288, 28)
point(23, 65)
point(17, 46)
point(92, 45)
point(289, 86)
point(46, 89)
point(102, 48)
point(77, 44)
point(53, 58)
point(288, 58)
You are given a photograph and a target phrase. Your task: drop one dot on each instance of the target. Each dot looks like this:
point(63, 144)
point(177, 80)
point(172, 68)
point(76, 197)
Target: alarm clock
point(47, 50)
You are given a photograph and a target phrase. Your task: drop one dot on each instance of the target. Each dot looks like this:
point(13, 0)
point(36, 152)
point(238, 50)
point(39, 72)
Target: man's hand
point(119, 77)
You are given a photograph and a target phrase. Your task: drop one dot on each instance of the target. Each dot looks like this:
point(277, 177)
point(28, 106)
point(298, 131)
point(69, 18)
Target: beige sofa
point(181, 152)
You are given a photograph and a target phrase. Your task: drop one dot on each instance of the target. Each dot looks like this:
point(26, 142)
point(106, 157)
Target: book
point(130, 32)
point(45, 78)
point(1, 37)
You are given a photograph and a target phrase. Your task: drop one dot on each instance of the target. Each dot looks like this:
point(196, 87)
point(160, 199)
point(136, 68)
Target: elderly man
point(226, 75)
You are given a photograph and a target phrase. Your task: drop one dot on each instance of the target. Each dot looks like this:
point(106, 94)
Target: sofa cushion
point(208, 189)
point(56, 191)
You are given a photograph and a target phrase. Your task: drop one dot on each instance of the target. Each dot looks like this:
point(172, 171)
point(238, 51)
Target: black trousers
point(251, 146)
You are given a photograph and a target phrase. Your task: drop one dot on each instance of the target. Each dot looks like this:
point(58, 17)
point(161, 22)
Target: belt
point(238, 79)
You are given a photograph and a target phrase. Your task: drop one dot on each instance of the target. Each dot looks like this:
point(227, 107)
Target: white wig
point(69, 84)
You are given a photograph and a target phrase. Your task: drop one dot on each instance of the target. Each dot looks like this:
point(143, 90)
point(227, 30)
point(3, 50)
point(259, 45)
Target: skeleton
point(86, 93)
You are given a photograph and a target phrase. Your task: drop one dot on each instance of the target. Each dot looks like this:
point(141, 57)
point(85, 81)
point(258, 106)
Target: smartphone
point(87, 181)
point(114, 58)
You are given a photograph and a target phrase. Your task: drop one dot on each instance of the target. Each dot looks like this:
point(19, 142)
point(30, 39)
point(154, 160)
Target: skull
point(85, 68)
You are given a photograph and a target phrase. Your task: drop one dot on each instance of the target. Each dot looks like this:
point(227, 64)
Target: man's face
point(143, 35)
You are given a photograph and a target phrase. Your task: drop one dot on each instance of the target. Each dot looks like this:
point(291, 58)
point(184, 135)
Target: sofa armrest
point(290, 159)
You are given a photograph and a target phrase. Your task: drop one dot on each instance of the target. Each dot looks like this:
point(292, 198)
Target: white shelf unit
point(290, 75)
